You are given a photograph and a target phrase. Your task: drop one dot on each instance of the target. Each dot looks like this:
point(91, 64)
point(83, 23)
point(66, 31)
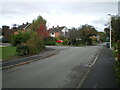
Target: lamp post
point(110, 29)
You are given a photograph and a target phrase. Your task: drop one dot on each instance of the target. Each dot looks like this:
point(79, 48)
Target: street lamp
point(110, 28)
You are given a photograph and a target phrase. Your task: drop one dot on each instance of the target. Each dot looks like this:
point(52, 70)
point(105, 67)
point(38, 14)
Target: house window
point(52, 33)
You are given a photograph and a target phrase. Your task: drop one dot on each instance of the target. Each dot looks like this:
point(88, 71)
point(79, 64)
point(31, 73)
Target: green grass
point(7, 52)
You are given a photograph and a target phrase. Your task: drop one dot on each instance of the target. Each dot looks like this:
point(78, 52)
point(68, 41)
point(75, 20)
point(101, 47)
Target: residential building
point(22, 27)
point(58, 31)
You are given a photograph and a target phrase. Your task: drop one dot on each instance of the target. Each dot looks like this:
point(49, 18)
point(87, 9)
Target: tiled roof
point(57, 29)
point(21, 27)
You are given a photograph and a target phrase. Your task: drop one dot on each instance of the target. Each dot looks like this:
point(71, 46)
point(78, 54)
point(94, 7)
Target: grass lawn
point(7, 52)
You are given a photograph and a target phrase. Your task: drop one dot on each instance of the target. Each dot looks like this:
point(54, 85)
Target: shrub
point(117, 71)
point(49, 41)
point(35, 44)
point(65, 42)
point(20, 38)
point(22, 50)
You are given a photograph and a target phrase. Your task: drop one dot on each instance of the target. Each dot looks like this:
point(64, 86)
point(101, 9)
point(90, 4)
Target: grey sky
point(70, 14)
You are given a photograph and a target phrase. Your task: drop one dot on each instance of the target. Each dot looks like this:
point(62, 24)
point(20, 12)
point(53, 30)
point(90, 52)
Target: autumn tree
point(87, 31)
point(39, 25)
point(42, 31)
point(37, 22)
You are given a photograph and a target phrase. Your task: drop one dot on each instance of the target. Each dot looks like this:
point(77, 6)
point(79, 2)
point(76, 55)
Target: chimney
point(26, 22)
point(53, 27)
point(57, 26)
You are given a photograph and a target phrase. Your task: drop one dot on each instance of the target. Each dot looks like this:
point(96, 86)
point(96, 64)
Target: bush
point(65, 42)
point(28, 43)
point(117, 71)
point(116, 53)
point(49, 41)
point(22, 50)
point(35, 44)
point(20, 38)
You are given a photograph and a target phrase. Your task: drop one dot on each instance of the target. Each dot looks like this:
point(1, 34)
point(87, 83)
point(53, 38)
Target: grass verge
point(7, 52)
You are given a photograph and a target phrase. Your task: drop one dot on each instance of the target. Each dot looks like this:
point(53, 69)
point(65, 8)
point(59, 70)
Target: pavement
point(102, 72)
point(4, 44)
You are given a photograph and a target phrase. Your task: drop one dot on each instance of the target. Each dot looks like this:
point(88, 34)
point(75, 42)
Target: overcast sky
point(70, 14)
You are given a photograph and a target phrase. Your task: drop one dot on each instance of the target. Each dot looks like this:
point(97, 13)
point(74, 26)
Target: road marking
point(79, 86)
point(95, 59)
point(83, 79)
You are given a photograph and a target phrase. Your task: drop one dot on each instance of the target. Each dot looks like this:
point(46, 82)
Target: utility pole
point(110, 28)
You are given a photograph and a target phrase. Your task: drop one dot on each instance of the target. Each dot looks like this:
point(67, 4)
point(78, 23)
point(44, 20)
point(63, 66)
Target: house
point(58, 31)
point(22, 27)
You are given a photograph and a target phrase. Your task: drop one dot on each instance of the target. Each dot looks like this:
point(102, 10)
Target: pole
point(110, 29)
point(110, 33)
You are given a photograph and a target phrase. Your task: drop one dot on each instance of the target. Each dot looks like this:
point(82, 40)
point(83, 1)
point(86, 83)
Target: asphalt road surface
point(63, 70)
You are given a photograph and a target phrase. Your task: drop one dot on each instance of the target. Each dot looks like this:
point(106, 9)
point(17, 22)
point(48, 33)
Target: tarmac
point(102, 73)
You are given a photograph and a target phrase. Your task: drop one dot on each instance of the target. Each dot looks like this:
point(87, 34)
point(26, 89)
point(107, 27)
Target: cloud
point(59, 0)
point(64, 13)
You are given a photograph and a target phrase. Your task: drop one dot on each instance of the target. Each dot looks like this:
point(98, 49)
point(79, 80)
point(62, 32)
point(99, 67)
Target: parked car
point(108, 45)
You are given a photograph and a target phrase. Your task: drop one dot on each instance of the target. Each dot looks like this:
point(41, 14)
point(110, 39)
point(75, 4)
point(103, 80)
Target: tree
point(14, 26)
point(4, 29)
point(102, 36)
point(37, 22)
point(7, 33)
point(86, 31)
point(73, 35)
point(39, 25)
point(115, 24)
point(107, 32)
point(42, 31)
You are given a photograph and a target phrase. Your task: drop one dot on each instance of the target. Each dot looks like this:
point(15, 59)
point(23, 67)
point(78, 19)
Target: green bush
point(28, 43)
point(49, 41)
point(20, 38)
point(117, 71)
point(22, 50)
point(65, 42)
point(35, 44)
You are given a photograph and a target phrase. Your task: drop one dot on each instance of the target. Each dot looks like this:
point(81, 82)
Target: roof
point(24, 26)
point(57, 29)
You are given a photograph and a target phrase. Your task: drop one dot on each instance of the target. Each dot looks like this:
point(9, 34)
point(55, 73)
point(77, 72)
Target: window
point(52, 33)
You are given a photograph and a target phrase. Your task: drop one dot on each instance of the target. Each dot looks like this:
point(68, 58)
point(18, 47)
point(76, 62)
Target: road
point(63, 70)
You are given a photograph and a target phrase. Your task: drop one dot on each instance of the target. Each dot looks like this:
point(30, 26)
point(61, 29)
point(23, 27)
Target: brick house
point(58, 31)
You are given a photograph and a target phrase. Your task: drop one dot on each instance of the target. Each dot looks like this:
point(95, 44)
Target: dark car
point(108, 45)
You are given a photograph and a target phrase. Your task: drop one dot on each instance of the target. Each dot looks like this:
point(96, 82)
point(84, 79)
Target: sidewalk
point(102, 73)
